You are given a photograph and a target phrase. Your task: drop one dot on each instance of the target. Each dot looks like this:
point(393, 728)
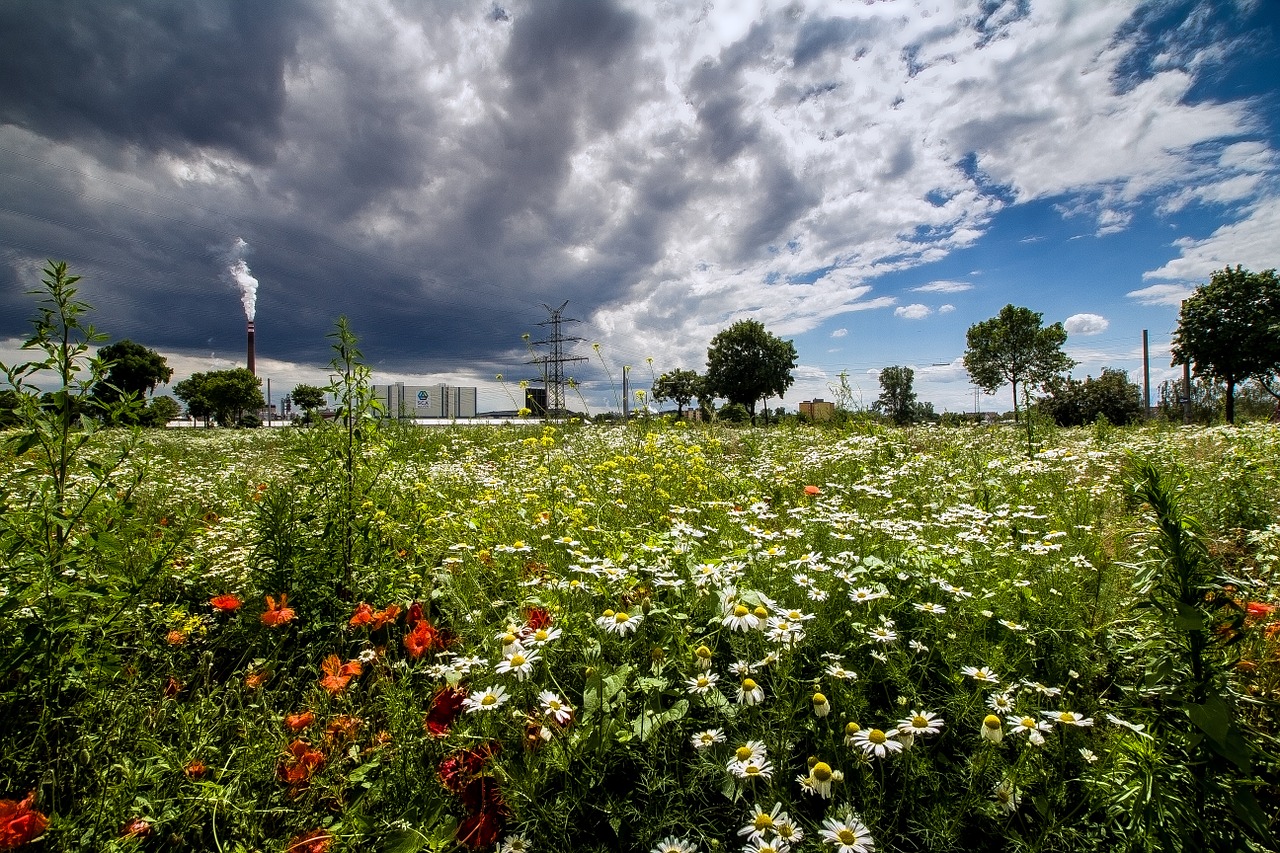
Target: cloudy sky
point(866, 177)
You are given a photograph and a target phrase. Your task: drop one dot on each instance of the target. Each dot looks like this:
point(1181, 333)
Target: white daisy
point(671, 844)
point(707, 738)
point(750, 693)
point(555, 707)
point(877, 742)
point(762, 823)
point(740, 618)
point(865, 595)
point(1007, 796)
point(1001, 703)
point(847, 835)
point(489, 699)
point(752, 750)
point(516, 843)
point(930, 608)
point(751, 769)
point(921, 723)
point(980, 673)
point(1069, 718)
point(1034, 729)
point(702, 684)
point(519, 662)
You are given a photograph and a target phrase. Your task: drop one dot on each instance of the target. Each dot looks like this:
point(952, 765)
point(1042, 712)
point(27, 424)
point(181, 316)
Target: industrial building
point(406, 402)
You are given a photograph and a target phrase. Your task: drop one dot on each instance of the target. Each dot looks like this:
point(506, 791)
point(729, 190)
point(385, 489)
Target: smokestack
point(252, 368)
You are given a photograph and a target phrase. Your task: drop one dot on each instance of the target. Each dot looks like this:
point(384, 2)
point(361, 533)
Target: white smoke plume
point(238, 273)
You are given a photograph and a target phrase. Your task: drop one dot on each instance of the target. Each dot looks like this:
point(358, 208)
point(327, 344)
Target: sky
point(868, 178)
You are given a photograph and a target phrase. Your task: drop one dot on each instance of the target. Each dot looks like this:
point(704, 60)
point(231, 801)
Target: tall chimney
point(252, 368)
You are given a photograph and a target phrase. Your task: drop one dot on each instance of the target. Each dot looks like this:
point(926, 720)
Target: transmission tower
point(553, 363)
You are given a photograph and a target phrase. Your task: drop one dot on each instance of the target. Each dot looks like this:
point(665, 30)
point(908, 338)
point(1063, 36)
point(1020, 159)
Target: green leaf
point(1213, 718)
point(1188, 618)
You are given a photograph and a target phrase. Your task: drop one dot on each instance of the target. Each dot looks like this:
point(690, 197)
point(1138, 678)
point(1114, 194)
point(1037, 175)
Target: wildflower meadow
point(650, 637)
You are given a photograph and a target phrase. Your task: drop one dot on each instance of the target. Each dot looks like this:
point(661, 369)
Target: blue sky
point(868, 179)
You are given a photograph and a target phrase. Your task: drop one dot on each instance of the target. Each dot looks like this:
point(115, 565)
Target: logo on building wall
point(424, 399)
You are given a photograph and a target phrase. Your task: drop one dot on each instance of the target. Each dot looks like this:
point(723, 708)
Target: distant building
point(818, 409)
point(535, 400)
point(400, 401)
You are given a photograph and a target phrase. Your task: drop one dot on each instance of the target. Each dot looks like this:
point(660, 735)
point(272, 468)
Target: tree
point(679, 386)
point(1229, 329)
point(224, 395)
point(160, 411)
point(746, 363)
point(1015, 347)
point(1071, 402)
point(897, 399)
point(132, 371)
point(308, 397)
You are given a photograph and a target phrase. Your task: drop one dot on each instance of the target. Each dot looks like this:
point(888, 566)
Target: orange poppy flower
point(225, 603)
point(811, 491)
point(254, 680)
point(362, 616)
point(195, 769)
point(315, 841)
point(302, 762)
point(423, 638)
point(19, 822)
point(278, 614)
point(337, 674)
point(297, 722)
point(175, 637)
point(385, 616)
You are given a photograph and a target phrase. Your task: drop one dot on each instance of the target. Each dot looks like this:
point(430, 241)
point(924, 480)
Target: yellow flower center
point(847, 836)
point(1028, 723)
point(751, 770)
point(763, 821)
point(760, 611)
point(851, 729)
point(553, 705)
point(743, 753)
point(748, 684)
point(740, 611)
point(608, 613)
point(819, 699)
point(876, 736)
point(919, 722)
point(822, 771)
point(540, 635)
point(517, 660)
point(991, 721)
point(488, 699)
point(620, 617)
point(703, 652)
point(703, 681)
point(508, 639)
point(1067, 717)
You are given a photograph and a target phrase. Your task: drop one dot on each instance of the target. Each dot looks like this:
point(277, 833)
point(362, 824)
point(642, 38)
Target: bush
point(1071, 402)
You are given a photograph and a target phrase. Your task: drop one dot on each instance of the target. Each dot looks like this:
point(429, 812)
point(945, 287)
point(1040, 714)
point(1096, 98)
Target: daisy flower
point(767, 847)
point(847, 835)
point(519, 663)
point(1001, 703)
point(752, 750)
point(981, 674)
point(750, 693)
point(516, 843)
point(931, 608)
point(821, 706)
point(1068, 718)
point(786, 829)
point(762, 822)
point(489, 699)
point(850, 733)
point(1007, 796)
point(620, 623)
point(751, 769)
point(1034, 729)
point(864, 595)
point(921, 723)
point(702, 657)
point(542, 636)
point(883, 634)
point(779, 630)
point(836, 670)
point(1088, 755)
point(1136, 728)
point(819, 780)
point(740, 618)
point(991, 730)
point(707, 738)
point(702, 684)
point(671, 844)
point(556, 708)
point(877, 742)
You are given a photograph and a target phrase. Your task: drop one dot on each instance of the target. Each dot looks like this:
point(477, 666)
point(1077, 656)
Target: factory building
point(406, 402)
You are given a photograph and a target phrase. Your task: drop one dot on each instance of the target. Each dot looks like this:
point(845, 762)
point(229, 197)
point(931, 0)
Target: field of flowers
point(646, 638)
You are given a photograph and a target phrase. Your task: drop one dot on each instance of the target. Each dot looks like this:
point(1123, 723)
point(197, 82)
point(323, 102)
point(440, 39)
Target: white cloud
point(915, 311)
point(943, 287)
point(1086, 324)
point(1249, 241)
point(839, 333)
point(1113, 221)
point(1161, 294)
point(946, 308)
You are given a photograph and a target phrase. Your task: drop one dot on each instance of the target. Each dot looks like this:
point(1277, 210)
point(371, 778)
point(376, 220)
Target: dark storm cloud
point(158, 75)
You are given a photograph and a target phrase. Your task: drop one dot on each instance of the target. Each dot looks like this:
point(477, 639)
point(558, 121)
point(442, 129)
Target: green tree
point(224, 395)
point(679, 386)
point(746, 363)
point(308, 397)
point(1229, 329)
point(1071, 402)
point(1015, 347)
point(160, 410)
point(897, 398)
point(131, 369)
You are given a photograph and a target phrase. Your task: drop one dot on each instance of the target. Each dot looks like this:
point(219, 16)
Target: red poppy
point(458, 768)
point(303, 762)
point(278, 614)
point(414, 615)
point(338, 674)
point(299, 721)
point(362, 616)
point(386, 616)
point(19, 822)
point(172, 687)
point(445, 707)
point(811, 491)
point(225, 603)
point(423, 638)
point(480, 831)
point(195, 769)
point(315, 841)
point(537, 618)
point(341, 730)
point(485, 811)
point(136, 828)
point(1259, 610)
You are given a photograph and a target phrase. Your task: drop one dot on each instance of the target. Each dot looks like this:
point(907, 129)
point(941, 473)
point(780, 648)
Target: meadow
point(656, 637)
